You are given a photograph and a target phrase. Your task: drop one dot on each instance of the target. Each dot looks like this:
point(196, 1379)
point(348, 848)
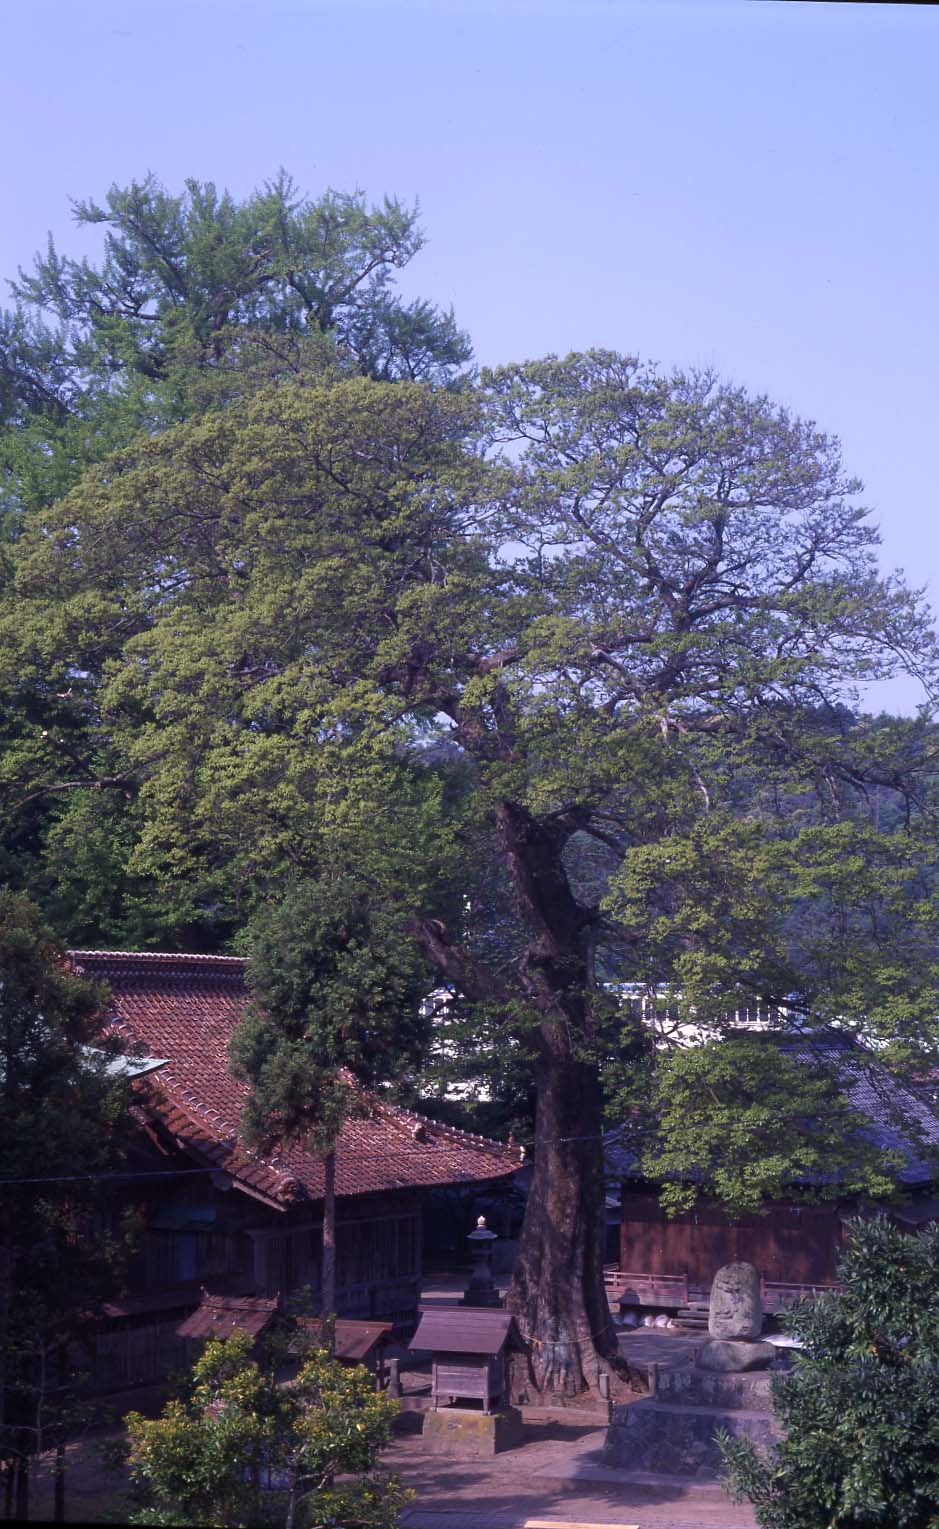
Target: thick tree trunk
point(328, 1273)
point(557, 1293)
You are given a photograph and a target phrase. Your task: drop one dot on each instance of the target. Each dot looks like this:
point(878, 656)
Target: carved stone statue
point(735, 1321)
point(736, 1310)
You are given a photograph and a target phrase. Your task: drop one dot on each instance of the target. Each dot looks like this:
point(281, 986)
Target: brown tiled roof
point(184, 1008)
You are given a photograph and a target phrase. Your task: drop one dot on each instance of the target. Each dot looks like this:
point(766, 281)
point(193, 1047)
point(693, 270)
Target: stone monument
point(735, 1322)
point(673, 1430)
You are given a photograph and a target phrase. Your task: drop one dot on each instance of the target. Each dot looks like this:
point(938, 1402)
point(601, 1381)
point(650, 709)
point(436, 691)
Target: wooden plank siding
point(791, 1244)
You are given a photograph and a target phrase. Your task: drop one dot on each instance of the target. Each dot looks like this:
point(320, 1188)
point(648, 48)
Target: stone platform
point(673, 1431)
point(466, 1434)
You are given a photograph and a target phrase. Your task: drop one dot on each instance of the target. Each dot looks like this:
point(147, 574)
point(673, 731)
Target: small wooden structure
point(217, 1316)
point(357, 1342)
point(468, 1348)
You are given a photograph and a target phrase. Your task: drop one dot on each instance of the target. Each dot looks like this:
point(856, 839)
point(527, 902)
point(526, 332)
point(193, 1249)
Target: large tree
point(191, 301)
point(580, 643)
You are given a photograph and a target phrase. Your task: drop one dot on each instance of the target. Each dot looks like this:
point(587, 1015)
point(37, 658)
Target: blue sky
point(749, 185)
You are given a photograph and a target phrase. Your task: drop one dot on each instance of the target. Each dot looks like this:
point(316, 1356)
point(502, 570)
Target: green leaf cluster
point(861, 1430)
point(242, 1448)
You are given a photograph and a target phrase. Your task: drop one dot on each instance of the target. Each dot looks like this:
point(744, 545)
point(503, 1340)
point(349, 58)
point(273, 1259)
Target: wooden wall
point(798, 1244)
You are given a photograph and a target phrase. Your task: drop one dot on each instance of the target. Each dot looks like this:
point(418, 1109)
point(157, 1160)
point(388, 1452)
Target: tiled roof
point(184, 1008)
point(897, 1119)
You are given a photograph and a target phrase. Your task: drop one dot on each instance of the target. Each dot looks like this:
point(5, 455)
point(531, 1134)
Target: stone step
point(649, 1435)
point(691, 1321)
point(686, 1386)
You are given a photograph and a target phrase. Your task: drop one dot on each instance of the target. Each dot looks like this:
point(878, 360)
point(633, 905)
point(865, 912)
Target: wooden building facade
point(213, 1216)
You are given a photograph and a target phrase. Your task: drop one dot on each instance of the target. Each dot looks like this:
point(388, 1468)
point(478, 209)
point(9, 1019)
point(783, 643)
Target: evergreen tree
point(336, 990)
point(198, 300)
point(861, 1432)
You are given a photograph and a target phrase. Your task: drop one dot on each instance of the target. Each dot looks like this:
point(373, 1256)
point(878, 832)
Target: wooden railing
point(779, 1295)
point(625, 1289)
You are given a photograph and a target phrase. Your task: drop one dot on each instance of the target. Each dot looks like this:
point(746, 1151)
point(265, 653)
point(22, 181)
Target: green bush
point(860, 1408)
point(244, 1449)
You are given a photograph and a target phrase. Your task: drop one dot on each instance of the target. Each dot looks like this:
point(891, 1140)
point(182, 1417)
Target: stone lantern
point(481, 1290)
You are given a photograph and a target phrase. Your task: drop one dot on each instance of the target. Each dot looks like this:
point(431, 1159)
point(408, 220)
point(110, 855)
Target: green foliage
point(209, 1458)
point(566, 663)
point(198, 301)
point(60, 1108)
point(861, 1430)
point(336, 985)
point(741, 1122)
point(198, 295)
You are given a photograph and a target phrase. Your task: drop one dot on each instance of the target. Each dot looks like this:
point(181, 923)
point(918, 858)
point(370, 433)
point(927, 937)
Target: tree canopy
point(195, 300)
point(564, 665)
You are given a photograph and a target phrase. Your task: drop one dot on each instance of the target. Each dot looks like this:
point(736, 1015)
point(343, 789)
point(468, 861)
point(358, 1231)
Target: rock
point(736, 1310)
point(729, 1355)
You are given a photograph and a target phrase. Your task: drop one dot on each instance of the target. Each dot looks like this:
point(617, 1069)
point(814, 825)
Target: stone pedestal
point(673, 1431)
point(731, 1354)
point(471, 1435)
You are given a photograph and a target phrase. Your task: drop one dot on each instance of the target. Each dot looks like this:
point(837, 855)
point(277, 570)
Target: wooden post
point(329, 1253)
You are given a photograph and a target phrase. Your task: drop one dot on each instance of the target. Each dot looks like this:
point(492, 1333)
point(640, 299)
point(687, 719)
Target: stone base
point(470, 1435)
point(686, 1386)
point(481, 1298)
point(673, 1432)
point(732, 1355)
